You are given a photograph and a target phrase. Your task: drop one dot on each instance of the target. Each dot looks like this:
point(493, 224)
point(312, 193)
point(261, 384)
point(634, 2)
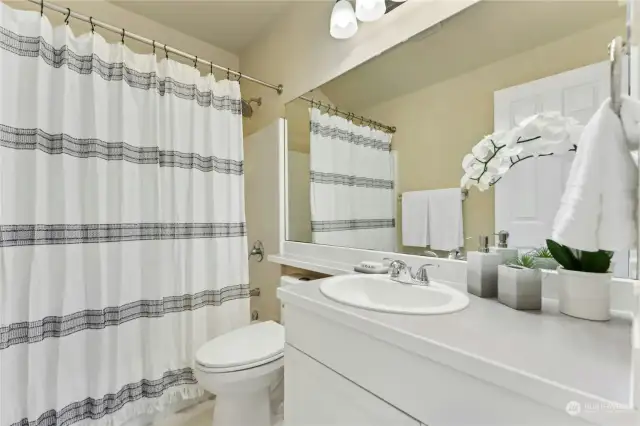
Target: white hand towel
point(630, 114)
point(598, 208)
point(445, 219)
point(415, 216)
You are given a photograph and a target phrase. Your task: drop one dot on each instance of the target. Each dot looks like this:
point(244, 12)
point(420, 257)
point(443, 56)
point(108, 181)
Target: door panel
point(528, 196)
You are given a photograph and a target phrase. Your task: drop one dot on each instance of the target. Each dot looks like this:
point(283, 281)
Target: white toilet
point(239, 367)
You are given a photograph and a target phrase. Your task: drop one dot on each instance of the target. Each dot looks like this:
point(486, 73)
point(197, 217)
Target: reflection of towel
point(598, 208)
point(445, 219)
point(415, 214)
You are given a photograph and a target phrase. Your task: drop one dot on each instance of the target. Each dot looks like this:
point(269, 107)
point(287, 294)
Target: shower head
point(247, 109)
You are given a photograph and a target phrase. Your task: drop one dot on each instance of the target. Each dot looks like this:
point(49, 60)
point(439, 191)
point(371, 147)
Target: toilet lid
point(247, 345)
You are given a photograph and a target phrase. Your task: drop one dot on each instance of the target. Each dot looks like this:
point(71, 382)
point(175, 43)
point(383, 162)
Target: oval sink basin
point(379, 293)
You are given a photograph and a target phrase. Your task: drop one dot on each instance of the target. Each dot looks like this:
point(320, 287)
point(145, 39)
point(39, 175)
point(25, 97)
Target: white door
point(263, 173)
point(528, 196)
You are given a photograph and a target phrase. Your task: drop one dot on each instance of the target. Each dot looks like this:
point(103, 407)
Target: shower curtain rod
point(349, 115)
point(168, 49)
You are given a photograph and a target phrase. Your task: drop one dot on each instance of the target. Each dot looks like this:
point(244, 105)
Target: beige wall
point(297, 114)
point(114, 15)
point(439, 124)
point(299, 53)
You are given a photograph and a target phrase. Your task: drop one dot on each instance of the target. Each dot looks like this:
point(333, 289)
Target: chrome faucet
point(456, 254)
point(400, 272)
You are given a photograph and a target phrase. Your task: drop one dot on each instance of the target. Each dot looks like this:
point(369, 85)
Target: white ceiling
point(228, 24)
point(482, 34)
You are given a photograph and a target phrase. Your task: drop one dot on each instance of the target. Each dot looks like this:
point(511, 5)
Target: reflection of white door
point(528, 196)
point(263, 167)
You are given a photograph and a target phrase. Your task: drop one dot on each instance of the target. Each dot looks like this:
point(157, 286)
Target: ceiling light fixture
point(370, 10)
point(343, 20)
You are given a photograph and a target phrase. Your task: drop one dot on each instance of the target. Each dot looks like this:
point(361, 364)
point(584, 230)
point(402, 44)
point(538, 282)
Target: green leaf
point(564, 256)
point(597, 262)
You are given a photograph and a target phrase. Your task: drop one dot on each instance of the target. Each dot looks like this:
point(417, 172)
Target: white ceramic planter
point(520, 288)
point(585, 295)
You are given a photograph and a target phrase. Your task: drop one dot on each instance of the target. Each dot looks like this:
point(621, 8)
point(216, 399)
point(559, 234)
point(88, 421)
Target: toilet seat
point(247, 347)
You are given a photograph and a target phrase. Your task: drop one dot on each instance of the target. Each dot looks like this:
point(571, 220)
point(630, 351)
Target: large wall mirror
point(365, 147)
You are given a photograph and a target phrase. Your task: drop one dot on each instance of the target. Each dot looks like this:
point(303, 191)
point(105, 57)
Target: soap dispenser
point(482, 270)
point(502, 248)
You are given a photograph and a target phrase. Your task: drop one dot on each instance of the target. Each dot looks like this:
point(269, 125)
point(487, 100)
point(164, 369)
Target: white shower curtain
point(352, 184)
point(122, 226)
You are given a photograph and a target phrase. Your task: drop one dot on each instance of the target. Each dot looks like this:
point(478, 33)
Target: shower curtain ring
point(41, 7)
point(66, 20)
point(239, 76)
point(228, 74)
point(166, 54)
point(195, 62)
point(211, 64)
point(123, 35)
point(154, 47)
point(93, 28)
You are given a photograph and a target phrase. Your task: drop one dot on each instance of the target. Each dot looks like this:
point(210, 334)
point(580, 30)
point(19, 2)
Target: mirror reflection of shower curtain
point(122, 225)
point(352, 184)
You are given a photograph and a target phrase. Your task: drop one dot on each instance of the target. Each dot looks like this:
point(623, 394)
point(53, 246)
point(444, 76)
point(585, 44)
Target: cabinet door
point(317, 396)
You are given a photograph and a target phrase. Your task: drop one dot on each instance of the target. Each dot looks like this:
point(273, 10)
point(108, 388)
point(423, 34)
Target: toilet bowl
point(239, 368)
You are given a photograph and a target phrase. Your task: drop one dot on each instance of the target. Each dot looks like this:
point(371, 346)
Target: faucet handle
point(421, 274)
point(395, 267)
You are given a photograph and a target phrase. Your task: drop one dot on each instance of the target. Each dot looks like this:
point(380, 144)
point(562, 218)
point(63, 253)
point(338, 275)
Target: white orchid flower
point(541, 134)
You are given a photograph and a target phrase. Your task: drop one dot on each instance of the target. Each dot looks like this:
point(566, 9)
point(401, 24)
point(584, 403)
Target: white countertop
point(587, 357)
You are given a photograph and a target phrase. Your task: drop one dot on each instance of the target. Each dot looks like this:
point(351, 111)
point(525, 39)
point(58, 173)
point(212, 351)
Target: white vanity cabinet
point(339, 375)
point(316, 395)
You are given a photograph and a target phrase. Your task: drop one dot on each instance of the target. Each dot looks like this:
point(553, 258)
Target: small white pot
point(584, 294)
point(520, 289)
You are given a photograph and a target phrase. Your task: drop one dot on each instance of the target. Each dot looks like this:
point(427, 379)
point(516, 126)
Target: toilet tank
point(294, 279)
point(290, 280)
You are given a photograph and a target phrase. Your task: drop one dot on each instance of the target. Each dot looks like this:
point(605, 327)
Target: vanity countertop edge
point(552, 391)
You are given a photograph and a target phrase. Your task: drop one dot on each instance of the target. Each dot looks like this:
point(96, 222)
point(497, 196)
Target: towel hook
point(615, 54)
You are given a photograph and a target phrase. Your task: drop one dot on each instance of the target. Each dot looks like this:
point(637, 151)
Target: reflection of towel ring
point(257, 250)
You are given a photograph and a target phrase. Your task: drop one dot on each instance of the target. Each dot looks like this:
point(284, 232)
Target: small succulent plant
point(523, 261)
point(542, 252)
